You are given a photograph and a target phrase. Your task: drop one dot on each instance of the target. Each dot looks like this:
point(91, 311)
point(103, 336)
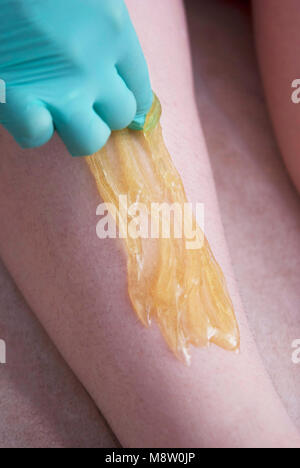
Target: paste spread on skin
point(183, 289)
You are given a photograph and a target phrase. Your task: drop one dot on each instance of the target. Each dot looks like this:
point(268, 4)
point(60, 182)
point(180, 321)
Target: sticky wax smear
point(172, 278)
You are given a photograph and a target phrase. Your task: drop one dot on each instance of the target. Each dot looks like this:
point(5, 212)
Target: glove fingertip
point(36, 129)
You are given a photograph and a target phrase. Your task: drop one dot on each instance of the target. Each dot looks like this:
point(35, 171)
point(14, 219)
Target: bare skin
point(42, 404)
point(76, 284)
point(277, 37)
point(266, 208)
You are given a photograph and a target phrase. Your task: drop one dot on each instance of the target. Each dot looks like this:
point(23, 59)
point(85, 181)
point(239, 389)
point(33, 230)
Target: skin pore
point(76, 284)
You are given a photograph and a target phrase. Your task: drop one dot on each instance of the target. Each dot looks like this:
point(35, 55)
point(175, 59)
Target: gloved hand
point(71, 65)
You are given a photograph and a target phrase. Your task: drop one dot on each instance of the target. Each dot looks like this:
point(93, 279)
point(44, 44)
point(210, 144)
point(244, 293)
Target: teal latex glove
point(75, 66)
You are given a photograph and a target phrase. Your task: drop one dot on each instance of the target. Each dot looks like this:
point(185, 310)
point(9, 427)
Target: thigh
point(42, 404)
point(276, 26)
point(259, 206)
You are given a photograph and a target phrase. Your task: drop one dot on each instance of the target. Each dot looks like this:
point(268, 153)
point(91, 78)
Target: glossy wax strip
point(183, 289)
